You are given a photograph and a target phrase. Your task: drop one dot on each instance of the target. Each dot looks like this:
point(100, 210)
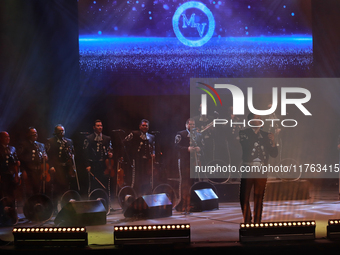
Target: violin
point(109, 167)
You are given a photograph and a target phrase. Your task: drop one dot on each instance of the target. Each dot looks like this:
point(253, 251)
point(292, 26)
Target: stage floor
point(215, 228)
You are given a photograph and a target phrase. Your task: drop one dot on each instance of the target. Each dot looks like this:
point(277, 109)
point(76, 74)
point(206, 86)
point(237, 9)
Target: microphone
point(154, 132)
point(118, 130)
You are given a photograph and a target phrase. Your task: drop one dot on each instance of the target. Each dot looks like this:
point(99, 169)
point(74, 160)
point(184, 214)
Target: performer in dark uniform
point(97, 148)
point(273, 126)
point(31, 154)
point(60, 151)
point(233, 138)
point(9, 173)
point(188, 144)
point(141, 149)
point(257, 147)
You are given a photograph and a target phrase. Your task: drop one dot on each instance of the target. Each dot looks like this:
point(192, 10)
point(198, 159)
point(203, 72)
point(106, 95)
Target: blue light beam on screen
point(278, 39)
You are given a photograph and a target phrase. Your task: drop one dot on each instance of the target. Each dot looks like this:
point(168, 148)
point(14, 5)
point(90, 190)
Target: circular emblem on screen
point(189, 22)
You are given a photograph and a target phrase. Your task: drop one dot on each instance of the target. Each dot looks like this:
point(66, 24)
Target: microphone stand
point(152, 158)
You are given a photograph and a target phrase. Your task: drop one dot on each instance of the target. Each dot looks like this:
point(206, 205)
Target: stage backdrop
point(70, 62)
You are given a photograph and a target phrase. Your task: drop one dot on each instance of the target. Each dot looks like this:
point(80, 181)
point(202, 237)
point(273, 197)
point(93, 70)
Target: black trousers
point(7, 187)
point(142, 184)
point(259, 185)
point(99, 178)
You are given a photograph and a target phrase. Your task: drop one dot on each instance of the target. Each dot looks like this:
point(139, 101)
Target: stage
point(210, 230)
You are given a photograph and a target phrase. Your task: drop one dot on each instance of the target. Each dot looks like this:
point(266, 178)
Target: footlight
point(50, 236)
point(276, 231)
point(152, 234)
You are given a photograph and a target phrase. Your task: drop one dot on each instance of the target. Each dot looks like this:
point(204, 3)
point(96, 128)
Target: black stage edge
point(276, 190)
point(282, 247)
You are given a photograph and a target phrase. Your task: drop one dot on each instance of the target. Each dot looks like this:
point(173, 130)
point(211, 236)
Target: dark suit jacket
point(139, 146)
point(96, 150)
point(256, 145)
point(30, 155)
point(7, 160)
point(182, 142)
point(55, 147)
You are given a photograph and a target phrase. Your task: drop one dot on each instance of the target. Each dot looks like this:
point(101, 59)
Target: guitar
point(207, 127)
point(120, 173)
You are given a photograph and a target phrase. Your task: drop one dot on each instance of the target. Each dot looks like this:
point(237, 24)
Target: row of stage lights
point(333, 222)
point(50, 236)
point(172, 233)
point(151, 227)
point(278, 224)
point(48, 230)
point(164, 233)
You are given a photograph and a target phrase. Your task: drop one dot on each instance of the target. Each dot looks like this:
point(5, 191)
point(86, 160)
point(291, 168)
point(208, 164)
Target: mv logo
point(190, 23)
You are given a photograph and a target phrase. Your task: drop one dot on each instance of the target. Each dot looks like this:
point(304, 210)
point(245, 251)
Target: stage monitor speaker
point(81, 213)
point(204, 200)
point(150, 206)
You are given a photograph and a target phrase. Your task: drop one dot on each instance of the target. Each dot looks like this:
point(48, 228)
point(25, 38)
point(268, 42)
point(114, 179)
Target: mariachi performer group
point(49, 168)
